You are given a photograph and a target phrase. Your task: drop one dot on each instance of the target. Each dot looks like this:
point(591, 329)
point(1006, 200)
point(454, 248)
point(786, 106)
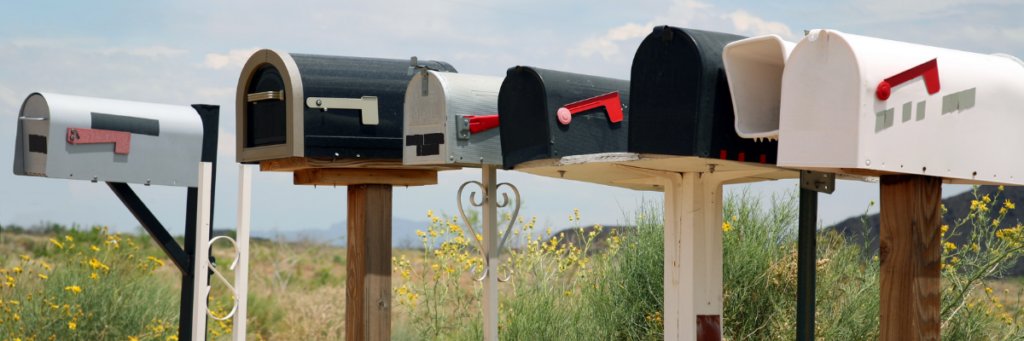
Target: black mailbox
point(549, 114)
point(681, 103)
point(300, 105)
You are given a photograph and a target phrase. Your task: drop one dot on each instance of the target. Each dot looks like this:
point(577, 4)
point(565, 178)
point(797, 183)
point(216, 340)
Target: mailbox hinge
point(466, 125)
point(818, 181)
point(367, 104)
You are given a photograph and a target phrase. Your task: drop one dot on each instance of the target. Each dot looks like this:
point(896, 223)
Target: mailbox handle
point(610, 101)
point(367, 104)
point(26, 118)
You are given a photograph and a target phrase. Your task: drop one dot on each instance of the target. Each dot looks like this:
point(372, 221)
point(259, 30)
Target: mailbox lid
point(163, 143)
point(432, 135)
point(528, 105)
point(754, 68)
point(832, 117)
point(681, 104)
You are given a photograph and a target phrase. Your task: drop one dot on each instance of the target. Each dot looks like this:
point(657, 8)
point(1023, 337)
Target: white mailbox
point(83, 138)
point(452, 119)
point(754, 69)
point(858, 105)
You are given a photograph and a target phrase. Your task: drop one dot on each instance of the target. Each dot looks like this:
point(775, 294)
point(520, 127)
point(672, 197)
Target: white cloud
point(747, 23)
point(152, 51)
point(226, 142)
point(682, 13)
point(234, 58)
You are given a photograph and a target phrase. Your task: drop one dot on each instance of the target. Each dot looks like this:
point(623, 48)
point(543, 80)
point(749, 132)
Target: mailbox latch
point(472, 124)
point(366, 104)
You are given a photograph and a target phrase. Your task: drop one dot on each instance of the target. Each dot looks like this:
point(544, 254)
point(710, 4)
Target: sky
point(187, 52)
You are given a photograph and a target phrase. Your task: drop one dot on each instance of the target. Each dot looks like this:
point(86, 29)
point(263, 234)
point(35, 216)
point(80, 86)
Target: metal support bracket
point(366, 104)
point(818, 181)
point(153, 226)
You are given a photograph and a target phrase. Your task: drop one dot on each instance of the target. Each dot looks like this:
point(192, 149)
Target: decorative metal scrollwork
point(478, 239)
point(213, 267)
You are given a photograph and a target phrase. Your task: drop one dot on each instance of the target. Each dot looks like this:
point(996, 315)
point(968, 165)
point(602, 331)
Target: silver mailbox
point(451, 119)
point(83, 138)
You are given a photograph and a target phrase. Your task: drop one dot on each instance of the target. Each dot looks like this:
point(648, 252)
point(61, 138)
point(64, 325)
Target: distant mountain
point(958, 206)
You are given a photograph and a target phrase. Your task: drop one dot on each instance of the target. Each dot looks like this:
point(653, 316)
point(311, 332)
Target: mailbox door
point(681, 104)
point(425, 141)
point(530, 100)
point(34, 123)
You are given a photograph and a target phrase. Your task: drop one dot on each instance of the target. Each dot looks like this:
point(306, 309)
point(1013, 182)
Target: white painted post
point(242, 242)
point(693, 251)
point(201, 264)
point(490, 235)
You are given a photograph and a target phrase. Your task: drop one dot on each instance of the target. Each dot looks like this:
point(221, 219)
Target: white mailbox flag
point(83, 138)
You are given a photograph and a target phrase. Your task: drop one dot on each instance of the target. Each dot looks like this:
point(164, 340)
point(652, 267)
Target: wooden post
point(368, 297)
point(490, 234)
point(910, 251)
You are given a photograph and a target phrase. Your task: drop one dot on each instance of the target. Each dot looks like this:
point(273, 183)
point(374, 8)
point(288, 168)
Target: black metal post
point(210, 115)
point(806, 265)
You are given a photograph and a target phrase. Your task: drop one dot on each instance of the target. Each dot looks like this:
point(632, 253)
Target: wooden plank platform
point(345, 177)
point(298, 163)
point(607, 169)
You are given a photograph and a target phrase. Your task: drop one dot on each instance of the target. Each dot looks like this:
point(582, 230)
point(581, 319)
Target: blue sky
point(186, 52)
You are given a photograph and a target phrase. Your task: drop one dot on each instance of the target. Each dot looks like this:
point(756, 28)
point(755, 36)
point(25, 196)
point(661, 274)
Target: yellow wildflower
point(132, 338)
point(24, 257)
point(94, 248)
point(988, 290)
point(1009, 204)
point(17, 269)
point(72, 325)
point(43, 276)
point(949, 246)
point(55, 242)
point(94, 276)
point(74, 289)
point(726, 227)
point(995, 222)
point(69, 238)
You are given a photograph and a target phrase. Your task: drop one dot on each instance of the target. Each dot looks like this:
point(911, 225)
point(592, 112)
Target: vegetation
point(587, 283)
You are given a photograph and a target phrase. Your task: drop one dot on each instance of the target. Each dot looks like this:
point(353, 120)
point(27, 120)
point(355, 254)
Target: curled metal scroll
point(234, 294)
point(477, 238)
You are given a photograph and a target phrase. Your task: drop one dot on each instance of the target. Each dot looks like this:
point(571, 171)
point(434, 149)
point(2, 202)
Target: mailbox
point(754, 67)
point(452, 119)
point(300, 105)
point(83, 138)
point(552, 114)
point(861, 105)
point(681, 103)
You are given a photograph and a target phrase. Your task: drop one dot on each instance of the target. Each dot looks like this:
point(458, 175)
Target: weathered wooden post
point(872, 107)
point(451, 120)
point(337, 121)
point(122, 142)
